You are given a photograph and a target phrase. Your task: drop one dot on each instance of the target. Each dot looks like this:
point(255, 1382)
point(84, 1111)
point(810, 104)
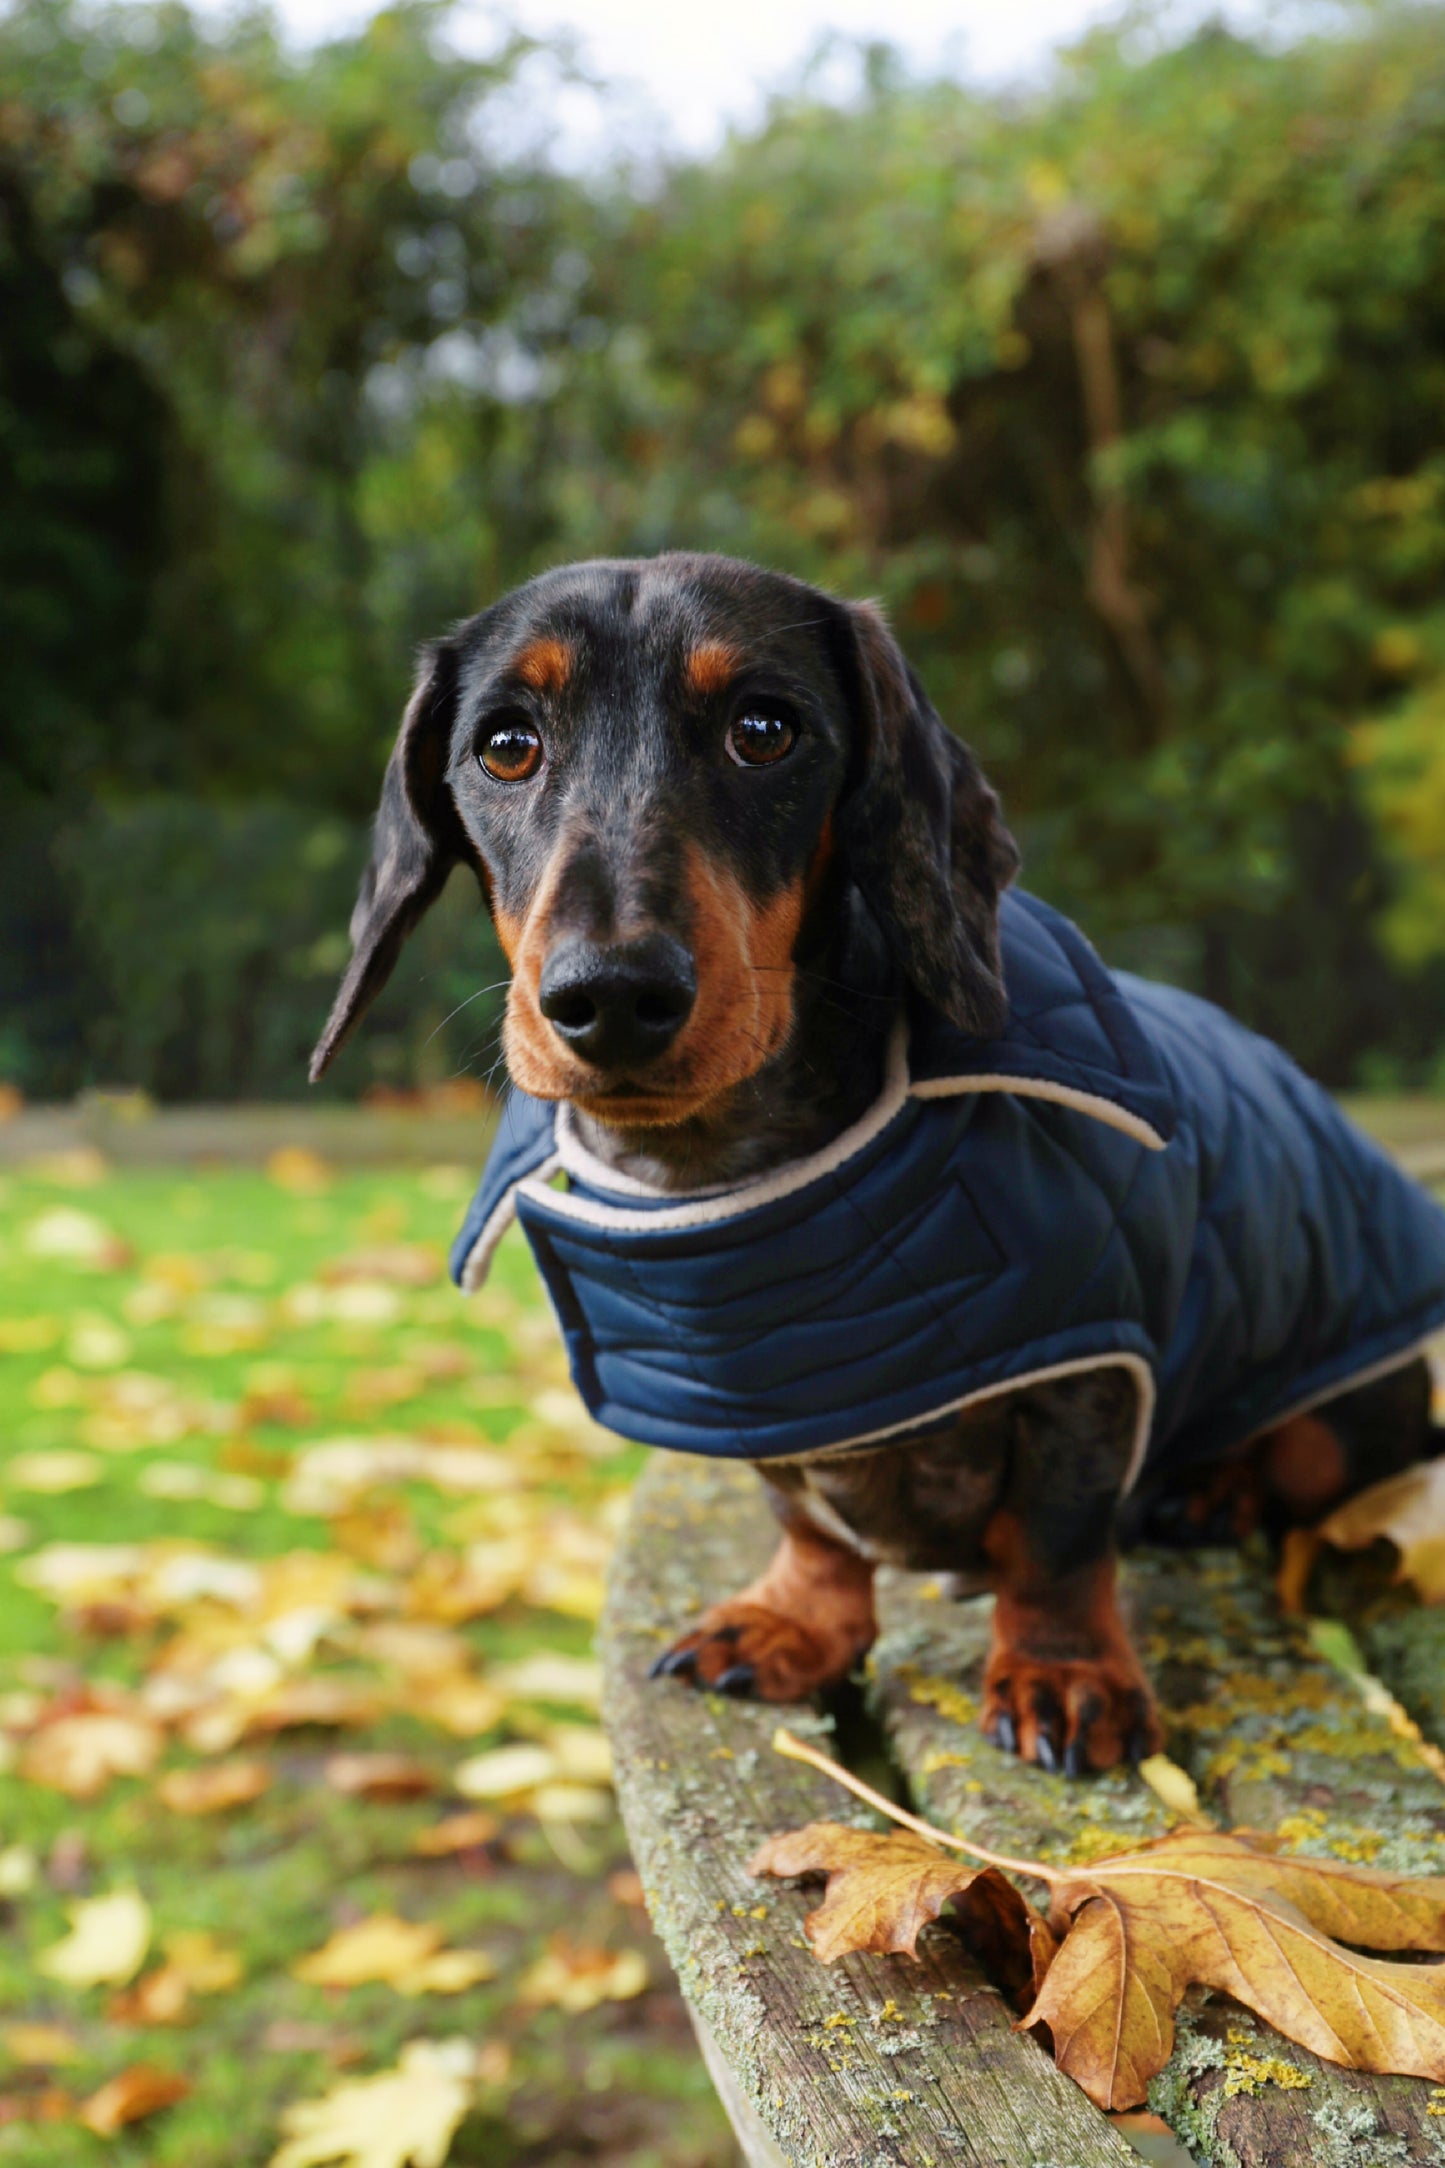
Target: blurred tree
point(1126, 397)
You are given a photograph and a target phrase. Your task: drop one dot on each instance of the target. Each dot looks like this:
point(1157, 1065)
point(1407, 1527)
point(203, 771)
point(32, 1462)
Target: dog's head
point(663, 772)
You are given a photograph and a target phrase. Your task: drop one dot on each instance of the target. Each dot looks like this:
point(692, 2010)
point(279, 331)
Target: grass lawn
point(277, 1502)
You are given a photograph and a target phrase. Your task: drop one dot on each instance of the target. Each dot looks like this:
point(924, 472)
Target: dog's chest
point(923, 1506)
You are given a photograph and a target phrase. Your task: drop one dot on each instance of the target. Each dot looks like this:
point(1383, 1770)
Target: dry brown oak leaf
point(1138, 1929)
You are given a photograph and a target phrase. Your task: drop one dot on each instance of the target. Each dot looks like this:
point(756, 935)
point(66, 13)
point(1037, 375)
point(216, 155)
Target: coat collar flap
point(1072, 1039)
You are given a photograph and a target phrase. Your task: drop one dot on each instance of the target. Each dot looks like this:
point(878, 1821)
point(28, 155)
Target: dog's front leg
point(1062, 1685)
point(801, 1625)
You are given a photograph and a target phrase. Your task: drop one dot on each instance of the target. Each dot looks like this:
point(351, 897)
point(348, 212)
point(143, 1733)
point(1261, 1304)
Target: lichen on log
point(866, 2062)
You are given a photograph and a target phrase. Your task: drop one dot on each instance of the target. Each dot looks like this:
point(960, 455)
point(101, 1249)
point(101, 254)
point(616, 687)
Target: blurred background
point(1116, 368)
point(1119, 379)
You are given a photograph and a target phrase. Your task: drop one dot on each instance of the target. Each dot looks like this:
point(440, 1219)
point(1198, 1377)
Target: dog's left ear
point(922, 835)
point(416, 842)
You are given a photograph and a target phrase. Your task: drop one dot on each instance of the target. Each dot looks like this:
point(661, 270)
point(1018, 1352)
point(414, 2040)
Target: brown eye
point(510, 751)
point(754, 741)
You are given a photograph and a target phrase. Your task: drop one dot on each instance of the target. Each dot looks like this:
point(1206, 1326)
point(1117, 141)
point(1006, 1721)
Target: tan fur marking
point(711, 667)
point(544, 664)
point(742, 1016)
point(802, 1624)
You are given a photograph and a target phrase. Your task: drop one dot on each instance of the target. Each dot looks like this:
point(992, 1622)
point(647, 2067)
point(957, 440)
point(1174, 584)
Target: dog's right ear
point(417, 840)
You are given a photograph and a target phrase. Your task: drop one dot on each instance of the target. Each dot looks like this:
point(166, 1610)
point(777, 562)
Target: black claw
point(1075, 1764)
point(1138, 1748)
point(1046, 1754)
point(737, 1679)
point(654, 1669)
point(1003, 1735)
point(674, 1662)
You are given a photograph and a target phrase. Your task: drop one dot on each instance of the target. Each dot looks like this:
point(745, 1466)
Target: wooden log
point(869, 2061)
point(1275, 1739)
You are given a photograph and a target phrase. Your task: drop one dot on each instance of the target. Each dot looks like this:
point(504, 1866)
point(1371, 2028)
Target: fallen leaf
point(53, 2105)
point(195, 1964)
point(1220, 1911)
point(96, 1342)
point(68, 1236)
point(572, 1681)
point(406, 1264)
point(64, 1469)
point(1196, 1907)
point(402, 2118)
point(575, 1976)
point(884, 1890)
point(380, 1776)
point(404, 1954)
point(39, 2044)
point(211, 1790)
point(302, 1172)
point(107, 1942)
point(137, 2092)
point(1407, 1509)
point(504, 1772)
point(19, 1870)
point(1175, 1788)
point(457, 1833)
point(80, 1754)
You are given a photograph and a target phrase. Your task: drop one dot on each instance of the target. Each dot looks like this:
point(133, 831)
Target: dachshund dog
point(726, 842)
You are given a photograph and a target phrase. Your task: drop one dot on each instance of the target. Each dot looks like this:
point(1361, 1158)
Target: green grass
point(198, 1289)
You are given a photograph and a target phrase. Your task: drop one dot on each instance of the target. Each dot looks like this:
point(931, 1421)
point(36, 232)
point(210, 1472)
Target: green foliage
point(1126, 398)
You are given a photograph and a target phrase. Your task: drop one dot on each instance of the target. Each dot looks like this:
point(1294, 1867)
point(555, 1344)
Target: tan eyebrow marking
point(710, 667)
point(544, 664)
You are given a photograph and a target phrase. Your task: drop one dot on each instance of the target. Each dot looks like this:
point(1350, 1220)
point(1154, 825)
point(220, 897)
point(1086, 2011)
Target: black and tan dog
point(724, 837)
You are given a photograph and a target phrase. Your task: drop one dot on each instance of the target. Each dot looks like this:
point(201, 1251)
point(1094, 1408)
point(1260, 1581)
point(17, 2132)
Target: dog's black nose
point(618, 1006)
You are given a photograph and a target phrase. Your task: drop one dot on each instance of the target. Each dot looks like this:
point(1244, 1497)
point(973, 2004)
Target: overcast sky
point(686, 68)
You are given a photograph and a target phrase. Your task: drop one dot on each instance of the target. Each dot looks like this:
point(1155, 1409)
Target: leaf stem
point(795, 1749)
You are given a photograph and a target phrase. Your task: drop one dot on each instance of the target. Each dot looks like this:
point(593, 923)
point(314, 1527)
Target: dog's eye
point(755, 741)
point(510, 750)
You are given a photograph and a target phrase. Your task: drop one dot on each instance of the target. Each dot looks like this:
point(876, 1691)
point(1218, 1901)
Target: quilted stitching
point(1268, 1252)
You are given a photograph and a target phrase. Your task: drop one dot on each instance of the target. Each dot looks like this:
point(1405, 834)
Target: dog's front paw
point(1072, 1715)
point(745, 1648)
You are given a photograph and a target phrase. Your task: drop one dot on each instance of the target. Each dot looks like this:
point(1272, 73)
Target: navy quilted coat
point(1125, 1174)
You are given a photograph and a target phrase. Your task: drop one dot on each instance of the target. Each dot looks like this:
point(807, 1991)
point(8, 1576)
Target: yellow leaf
point(137, 2092)
point(206, 1965)
point(402, 2118)
point(1409, 1510)
point(211, 1790)
point(572, 1681)
point(404, 1955)
point(80, 1754)
point(64, 1469)
point(1175, 1788)
point(39, 2044)
point(575, 1976)
point(107, 1942)
point(96, 1343)
point(450, 1972)
point(304, 1173)
point(380, 1948)
point(504, 1772)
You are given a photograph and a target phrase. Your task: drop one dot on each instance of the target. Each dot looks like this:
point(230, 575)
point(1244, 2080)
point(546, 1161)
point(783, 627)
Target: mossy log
point(868, 2061)
point(878, 2060)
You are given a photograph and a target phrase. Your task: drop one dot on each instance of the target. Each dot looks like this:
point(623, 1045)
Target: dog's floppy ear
point(922, 836)
point(417, 840)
